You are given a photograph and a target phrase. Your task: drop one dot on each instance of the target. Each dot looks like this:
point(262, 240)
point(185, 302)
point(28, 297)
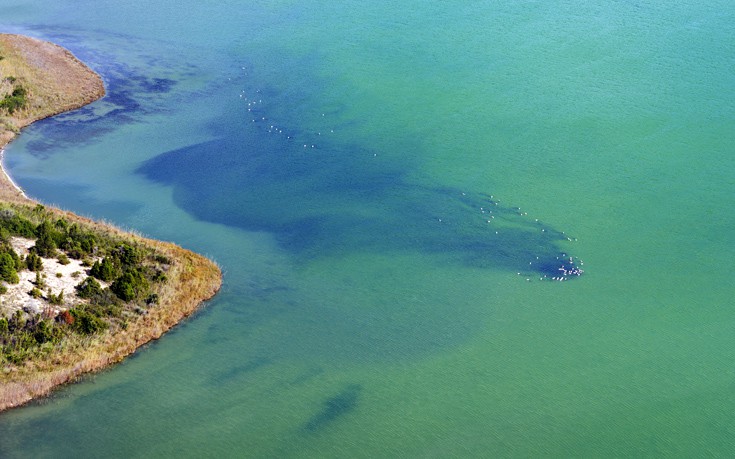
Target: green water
point(351, 324)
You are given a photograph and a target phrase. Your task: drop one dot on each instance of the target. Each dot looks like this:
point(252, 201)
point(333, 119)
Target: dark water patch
point(343, 199)
point(334, 408)
point(136, 85)
point(307, 376)
point(238, 372)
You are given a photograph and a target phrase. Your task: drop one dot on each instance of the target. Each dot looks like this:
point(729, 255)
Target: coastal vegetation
point(135, 274)
point(39, 79)
point(49, 336)
point(75, 295)
point(15, 98)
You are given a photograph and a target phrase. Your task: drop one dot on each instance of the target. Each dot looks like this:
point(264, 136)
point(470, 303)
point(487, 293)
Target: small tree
point(104, 271)
point(130, 285)
point(33, 262)
point(88, 288)
point(46, 242)
point(8, 271)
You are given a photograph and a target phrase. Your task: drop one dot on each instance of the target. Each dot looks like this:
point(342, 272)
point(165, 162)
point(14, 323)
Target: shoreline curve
point(59, 82)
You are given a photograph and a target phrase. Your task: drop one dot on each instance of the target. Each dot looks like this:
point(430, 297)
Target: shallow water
point(369, 307)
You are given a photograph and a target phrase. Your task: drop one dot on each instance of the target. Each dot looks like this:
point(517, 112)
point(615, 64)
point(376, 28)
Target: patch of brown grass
point(56, 82)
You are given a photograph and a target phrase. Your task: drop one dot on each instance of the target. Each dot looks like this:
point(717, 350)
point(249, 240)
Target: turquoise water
point(369, 308)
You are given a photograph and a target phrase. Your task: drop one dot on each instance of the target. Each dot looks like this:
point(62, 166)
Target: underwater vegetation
point(339, 199)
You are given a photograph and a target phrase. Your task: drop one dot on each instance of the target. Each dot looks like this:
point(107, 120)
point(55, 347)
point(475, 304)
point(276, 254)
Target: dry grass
point(58, 82)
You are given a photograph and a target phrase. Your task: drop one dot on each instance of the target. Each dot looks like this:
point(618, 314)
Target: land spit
point(53, 82)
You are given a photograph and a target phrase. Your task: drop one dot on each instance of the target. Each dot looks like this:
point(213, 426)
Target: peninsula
point(75, 295)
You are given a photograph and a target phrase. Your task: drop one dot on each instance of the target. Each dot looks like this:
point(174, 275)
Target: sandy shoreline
point(59, 82)
point(7, 179)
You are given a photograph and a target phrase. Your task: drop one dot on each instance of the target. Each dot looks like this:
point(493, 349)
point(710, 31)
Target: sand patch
point(55, 276)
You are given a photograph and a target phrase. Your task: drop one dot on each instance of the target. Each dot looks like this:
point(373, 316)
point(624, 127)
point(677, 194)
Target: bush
point(65, 317)
point(88, 288)
point(129, 257)
point(35, 293)
point(104, 310)
point(104, 271)
point(78, 243)
point(63, 259)
point(159, 277)
point(8, 271)
point(46, 242)
point(16, 224)
point(34, 262)
point(43, 332)
point(56, 299)
point(130, 285)
point(40, 283)
point(86, 322)
point(14, 102)
point(152, 299)
point(164, 260)
point(6, 248)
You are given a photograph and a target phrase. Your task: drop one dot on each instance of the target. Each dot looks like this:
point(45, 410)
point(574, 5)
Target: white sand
point(17, 296)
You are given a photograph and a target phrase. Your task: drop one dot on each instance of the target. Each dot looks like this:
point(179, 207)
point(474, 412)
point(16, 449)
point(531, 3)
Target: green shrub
point(129, 257)
point(13, 103)
point(16, 99)
point(130, 285)
point(56, 299)
point(34, 262)
point(88, 288)
point(6, 248)
point(103, 310)
point(104, 271)
point(8, 271)
point(159, 277)
point(16, 224)
point(152, 299)
point(43, 332)
point(63, 259)
point(164, 260)
point(40, 283)
point(86, 322)
point(35, 293)
point(47, 239)
point(19, 91)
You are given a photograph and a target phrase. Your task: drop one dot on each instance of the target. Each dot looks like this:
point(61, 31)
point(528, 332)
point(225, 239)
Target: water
point(369, 307)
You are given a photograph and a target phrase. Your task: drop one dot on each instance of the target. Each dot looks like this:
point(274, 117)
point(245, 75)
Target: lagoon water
point(372, 178)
